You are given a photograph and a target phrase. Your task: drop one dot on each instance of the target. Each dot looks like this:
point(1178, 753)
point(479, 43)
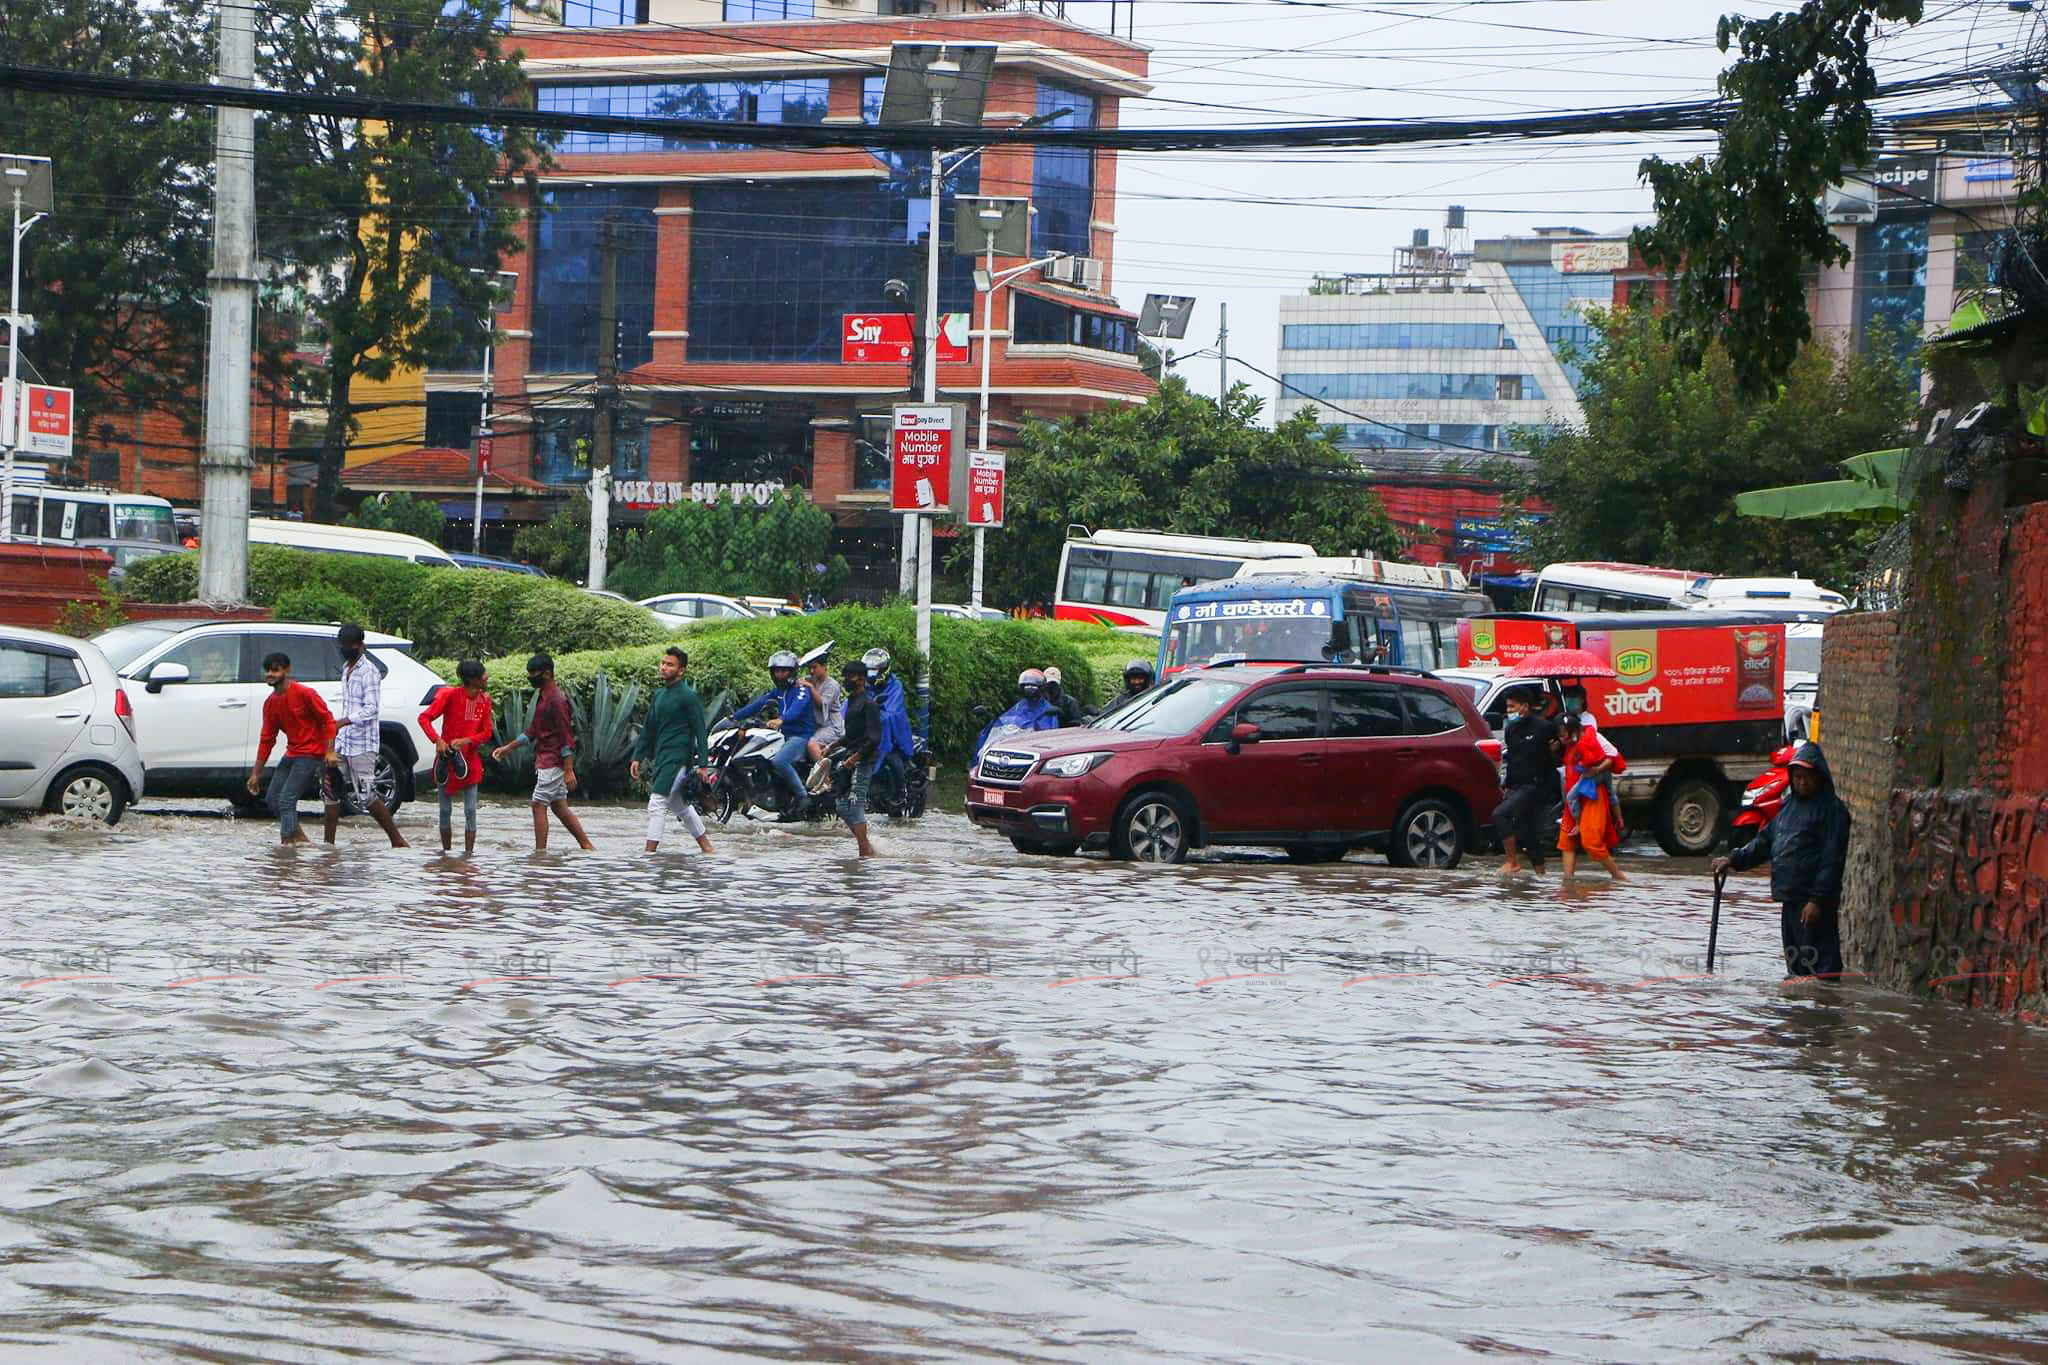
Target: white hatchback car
point(699, 606)
point(67, 728)
point(198, 691)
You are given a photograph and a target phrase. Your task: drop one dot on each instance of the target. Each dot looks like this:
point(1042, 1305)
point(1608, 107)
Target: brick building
point(736, 266)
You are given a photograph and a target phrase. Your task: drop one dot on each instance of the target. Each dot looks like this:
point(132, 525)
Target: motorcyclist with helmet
point(895, 752)
point(1031, 711)
point(798, 721)
point(1137, 682)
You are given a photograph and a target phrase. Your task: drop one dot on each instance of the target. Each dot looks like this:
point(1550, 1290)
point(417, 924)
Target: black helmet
point(1138, 668)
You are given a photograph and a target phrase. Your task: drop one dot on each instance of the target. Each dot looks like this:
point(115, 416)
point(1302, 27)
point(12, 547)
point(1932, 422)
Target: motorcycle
point(745, 780)
point(1762, 798)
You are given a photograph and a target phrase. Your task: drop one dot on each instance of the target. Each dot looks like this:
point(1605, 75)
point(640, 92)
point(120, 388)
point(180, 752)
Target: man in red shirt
point(552, 734)
point(308, 728)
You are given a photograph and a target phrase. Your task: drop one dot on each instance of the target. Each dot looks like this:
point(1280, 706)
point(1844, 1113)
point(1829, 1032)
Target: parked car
point(665, 620)
point(1314, 759)
point(961, 613)
point(127, 552)
point(198, 692)
point(772, 606)
point(469, 561)
point(699, 606)
point(67, 728)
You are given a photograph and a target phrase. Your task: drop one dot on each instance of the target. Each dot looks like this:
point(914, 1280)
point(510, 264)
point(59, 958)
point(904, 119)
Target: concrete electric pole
point(604, 401)
point(231, 332)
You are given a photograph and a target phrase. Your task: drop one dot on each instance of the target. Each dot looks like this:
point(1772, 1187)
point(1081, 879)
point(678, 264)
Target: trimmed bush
point(976, 662)
point(317, 602)
point(459, 612)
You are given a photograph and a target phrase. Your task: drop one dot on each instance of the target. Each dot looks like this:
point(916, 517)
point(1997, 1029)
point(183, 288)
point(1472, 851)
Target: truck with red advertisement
point(1696, 707)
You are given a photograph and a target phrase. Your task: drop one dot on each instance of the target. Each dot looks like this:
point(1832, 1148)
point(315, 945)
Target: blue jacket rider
point(1031, 711)
point(896, 748)
point(799, 720)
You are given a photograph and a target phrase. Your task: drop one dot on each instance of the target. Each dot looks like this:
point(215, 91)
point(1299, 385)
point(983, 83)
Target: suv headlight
point(1074, 765)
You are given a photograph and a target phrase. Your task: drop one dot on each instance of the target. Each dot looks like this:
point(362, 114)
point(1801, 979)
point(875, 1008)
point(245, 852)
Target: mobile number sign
point(924, 456)
point(985, 488)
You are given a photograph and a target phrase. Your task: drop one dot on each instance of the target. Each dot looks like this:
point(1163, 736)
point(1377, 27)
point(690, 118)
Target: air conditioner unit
point(1091, 274)
point(1080, 271)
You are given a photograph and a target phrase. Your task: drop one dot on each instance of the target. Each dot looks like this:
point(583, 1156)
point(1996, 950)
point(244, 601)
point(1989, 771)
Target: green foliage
point(1740, 230)
point(116, 277)
point(561, 544)
point(606, 730)
point(1668, 443)
point(1175, 464)
point(370, 214)
point(400, 512)
point(511, 712)
point(456, 612)
point(318, 602)
point(975, 663)
point(730, 547)
point(86, 617)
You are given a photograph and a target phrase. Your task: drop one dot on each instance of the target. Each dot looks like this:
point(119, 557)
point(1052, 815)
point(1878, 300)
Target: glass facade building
point(1891, 283)
point(1063, 178)
point(567, 271)
point(794, 100)
point(1557, 302)
point(1393, 336)
point(1417, 435)
point(603, 13)
point(1041, 322)
point(562, 444)
point(1489, 387)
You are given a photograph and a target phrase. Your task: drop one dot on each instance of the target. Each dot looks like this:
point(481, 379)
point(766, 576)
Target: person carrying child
point(1592, 822)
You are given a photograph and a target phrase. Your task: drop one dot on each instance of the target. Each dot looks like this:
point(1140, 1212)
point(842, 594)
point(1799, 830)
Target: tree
point(116, 276)
point(1740, 230)
point(371, 215)
point(561, 544)
point(732, 547)
point(1177, 463)
point(1668, 443)
point(401, 512)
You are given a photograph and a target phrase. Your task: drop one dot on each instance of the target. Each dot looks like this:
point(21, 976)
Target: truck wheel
point(1691, 816)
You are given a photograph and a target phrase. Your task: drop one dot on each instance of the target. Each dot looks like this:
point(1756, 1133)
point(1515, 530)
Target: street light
point(1005, 225)
point(28, 183)
point(944, 84)
point(503, 282)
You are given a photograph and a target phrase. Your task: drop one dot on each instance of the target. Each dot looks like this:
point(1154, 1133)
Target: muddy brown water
point(316, 1104)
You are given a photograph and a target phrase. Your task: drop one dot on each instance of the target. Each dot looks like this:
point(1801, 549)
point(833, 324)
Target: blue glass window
point(567, 269)
point(1391, 336)
point(797, 100)
point(743, 11)
point(1063, 178)
point(1891, 284)
point(603, 13)
point(1041, 322)
point(775, 268)
point(562, 445)
point(1557, 303)
point(1491, 387)
point(1417, 435)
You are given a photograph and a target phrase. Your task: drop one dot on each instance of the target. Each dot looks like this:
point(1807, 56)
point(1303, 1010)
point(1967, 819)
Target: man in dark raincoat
point(1807, 846)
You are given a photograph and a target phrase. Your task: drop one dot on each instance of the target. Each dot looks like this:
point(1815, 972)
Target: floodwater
point(314, 1104)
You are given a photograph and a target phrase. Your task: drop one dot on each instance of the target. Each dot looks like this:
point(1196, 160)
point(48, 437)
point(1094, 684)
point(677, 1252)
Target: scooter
point(1762, 798)
point(745, 780)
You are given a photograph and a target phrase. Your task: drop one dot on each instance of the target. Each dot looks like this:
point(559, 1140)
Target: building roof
point(435, 469)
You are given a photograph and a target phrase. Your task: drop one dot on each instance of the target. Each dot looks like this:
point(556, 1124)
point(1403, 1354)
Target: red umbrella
point(1562, 663)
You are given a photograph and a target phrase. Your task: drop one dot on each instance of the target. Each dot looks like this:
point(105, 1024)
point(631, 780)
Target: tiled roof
point(440, 467)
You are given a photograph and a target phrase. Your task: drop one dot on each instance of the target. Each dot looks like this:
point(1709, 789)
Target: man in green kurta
point(671, 745)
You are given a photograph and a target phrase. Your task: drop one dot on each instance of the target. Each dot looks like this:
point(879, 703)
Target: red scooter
point(1762, 797)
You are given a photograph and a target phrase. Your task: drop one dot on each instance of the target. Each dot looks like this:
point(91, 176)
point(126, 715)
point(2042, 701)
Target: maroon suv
point(1316, 759)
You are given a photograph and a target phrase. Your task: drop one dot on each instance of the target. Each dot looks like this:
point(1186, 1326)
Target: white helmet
point(1031, 680)
point(877, 661)
point(782, 658)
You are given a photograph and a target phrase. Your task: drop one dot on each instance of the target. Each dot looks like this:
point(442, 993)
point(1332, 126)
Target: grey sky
point(1188, 223)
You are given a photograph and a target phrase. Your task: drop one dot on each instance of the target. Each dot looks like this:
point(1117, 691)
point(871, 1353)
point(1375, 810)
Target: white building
point(1452, 351)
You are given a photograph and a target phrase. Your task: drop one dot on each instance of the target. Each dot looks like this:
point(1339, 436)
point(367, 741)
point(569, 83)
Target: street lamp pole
point(483, 434)
point(941, 76)
point(988, 341)
point(17, 179)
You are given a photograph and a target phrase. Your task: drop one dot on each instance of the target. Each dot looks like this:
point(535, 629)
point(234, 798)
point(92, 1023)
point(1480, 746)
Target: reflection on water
point(308, 1103)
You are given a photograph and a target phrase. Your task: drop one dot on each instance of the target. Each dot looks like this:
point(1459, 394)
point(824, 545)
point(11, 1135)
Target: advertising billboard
point(985, 471)
point(924, 451)
point(1668, 675)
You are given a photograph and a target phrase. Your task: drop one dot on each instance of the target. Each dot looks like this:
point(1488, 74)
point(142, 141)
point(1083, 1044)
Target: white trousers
point(660, 807)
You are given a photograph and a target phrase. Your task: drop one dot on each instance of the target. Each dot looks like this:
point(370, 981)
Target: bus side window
point(95, 521)
point(1418, 644)
point(26, 507)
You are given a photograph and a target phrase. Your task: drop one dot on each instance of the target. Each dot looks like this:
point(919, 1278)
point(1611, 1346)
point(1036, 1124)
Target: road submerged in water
point(327, 1104)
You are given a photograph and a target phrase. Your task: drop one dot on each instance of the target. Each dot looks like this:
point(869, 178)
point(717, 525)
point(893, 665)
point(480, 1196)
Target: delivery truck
point(1697, 705)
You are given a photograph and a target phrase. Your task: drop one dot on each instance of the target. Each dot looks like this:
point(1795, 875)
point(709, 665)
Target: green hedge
point(976, 662)
point(458, 612)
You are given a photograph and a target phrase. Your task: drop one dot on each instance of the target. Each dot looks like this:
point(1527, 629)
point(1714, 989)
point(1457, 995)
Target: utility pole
point(1222, 354)
point(28, 185)
point(605, 398)
point(231, 333)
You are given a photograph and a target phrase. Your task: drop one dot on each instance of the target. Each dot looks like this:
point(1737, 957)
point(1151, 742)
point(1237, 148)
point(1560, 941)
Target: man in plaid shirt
point(357, 741)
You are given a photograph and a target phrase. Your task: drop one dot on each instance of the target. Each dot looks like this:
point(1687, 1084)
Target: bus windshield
point(145, 521)
point(1297, 639)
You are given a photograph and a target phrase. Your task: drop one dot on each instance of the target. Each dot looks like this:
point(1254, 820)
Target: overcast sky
point(1243, 229)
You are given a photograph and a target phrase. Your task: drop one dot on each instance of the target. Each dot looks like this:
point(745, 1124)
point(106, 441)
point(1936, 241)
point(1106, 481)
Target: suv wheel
point(90, 792)
point(1690, 816)
point(1428, 834)
point(1153, 827)
point(383, 785)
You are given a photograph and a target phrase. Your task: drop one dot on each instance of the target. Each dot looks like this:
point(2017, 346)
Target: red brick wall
point(2023, 739)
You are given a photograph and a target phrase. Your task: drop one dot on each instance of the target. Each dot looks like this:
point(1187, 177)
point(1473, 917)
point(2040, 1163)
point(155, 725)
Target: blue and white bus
point(1267, 616)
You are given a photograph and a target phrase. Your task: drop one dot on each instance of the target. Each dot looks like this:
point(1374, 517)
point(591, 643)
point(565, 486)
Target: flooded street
point(315, 1104)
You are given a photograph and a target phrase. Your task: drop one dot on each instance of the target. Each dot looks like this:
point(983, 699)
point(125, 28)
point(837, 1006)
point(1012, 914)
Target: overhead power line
point(1349, 133)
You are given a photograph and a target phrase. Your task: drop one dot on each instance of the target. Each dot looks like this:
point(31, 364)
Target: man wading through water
point(552, 734)
point(671, 748)
point(357, 742)
point(1807, 846)
point(1529, 748)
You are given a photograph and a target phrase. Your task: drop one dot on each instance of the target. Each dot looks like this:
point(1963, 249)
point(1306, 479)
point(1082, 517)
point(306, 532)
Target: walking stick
point(1714, 924)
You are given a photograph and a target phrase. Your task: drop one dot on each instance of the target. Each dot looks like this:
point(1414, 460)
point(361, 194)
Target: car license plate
point(987, 797)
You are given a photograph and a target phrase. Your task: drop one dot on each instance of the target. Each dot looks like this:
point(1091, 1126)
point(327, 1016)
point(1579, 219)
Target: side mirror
point(983, 714)
point(165, 673)
point(1244, 732)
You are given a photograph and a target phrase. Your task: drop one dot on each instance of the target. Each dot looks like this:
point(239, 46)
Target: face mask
point(536, 680)
point(1573, 706)
point(350, 653)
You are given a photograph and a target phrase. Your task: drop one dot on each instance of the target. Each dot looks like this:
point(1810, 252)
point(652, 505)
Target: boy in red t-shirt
point(465, 716)
point(308, 727)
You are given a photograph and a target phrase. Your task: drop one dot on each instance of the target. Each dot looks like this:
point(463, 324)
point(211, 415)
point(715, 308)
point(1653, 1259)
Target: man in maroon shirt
point(308, 727)
point(552, 734)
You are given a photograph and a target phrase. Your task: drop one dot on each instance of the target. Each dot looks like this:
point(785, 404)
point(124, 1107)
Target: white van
point(345, 540)
point(65, 516)
point(1614, 587)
